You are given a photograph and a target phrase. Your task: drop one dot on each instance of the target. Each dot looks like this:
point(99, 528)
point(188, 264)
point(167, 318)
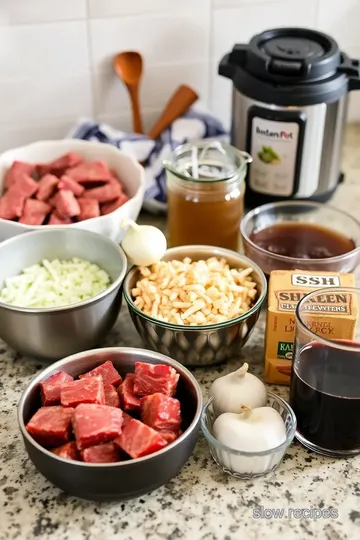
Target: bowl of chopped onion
point(60, 291)
point(199, 304)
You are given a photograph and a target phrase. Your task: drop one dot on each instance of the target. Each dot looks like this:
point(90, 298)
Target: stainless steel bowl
point(126, 479)
point(57, 332)
point(198, 345)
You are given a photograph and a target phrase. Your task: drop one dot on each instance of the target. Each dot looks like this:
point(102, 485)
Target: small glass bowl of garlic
point(246, 441)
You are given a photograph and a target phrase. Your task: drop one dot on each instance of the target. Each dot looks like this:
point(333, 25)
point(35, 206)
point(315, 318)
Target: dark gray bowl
point(126, 479)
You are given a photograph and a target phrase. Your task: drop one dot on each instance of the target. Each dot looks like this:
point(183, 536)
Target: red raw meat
point(107, 193)
point(46, 186)
point(25, 185)
point(139, 440)
point(161, 412)
point(60, 164)
point(152, 378)
point(96, 424)
point(102, 453)
point(50, 388)
point(107, 208)
point(34, 212)
point(55, 219)
point(94, 171)
point(51, 426)
point(168, 436)
point(129, 401)
point(83, 391)
point(65, 203)
point(17, 169)
point(106, 371)
point(89, 208)
point(126, 419)
point(66, 182)
point(67, 451)
point(11, 205)
point(111, 396)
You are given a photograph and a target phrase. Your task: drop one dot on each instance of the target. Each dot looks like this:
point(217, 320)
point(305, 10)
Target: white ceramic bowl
point(125, 166)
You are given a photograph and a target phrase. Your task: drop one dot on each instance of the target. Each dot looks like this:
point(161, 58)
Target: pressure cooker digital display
point(275, 141)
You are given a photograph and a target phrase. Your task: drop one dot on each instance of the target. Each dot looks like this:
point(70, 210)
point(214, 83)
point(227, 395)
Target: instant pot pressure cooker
point(290, 92)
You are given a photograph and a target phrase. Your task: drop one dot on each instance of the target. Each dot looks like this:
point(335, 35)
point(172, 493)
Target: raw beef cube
point(50, 388)
point(126, 419)
point(152, 378)
point(46, 186)
point(51, 426)
point(34, 212)
point(25, 185)
point(139, 440)
point(67, 451)
point(66, 182)
point(60, 164)
point(65, 203)
point(106, 371)
point(11, 205)
point(95, 171)
point(55, 219)
point(83, 391)
point(17, 169)
point(111, 396)
point(107, 208)
point(129, 401)
point(168, 436)
point(102, 453)
point(96, 424)
point(89, 208)
point(103, 194)
point(161, 412)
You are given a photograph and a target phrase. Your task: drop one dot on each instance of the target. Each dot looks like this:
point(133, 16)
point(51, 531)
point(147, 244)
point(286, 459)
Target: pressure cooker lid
point(296, 53)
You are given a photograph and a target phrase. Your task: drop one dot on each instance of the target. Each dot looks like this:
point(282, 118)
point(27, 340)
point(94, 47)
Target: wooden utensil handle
point(135, 101)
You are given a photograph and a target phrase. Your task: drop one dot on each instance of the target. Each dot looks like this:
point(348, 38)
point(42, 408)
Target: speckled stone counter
point(201, 503)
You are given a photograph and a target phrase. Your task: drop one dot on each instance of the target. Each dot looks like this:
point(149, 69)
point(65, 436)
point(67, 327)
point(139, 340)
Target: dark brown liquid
point(302, 241)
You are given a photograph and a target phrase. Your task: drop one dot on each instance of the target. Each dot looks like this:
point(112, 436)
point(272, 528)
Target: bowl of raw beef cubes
point(69, 183)
point(111, 423)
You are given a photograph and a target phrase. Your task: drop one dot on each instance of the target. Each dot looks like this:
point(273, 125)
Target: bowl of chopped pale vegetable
point(199, 304)
point(60, 291)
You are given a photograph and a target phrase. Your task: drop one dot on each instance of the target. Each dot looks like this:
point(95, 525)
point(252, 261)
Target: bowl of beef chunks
point(111, 424)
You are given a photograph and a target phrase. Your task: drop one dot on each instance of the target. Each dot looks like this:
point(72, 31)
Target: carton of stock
point(333, 316)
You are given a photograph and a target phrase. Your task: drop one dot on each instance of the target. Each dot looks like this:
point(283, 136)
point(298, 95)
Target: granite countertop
point(200, 503)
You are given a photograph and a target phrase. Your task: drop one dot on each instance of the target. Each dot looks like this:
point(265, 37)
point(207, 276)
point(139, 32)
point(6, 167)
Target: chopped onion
point(54, 284)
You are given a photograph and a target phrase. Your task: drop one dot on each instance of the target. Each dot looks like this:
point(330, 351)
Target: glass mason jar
point(205, 194)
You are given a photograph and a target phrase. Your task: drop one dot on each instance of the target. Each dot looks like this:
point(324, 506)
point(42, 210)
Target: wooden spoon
point(129, 67)
point(178, 104)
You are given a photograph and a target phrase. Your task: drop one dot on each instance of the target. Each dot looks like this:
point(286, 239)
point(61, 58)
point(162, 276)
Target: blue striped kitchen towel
point(194, 125)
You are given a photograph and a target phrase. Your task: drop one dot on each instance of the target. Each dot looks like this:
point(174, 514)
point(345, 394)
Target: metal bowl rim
point(69, 307)
point(213, 251)
point(126, 350)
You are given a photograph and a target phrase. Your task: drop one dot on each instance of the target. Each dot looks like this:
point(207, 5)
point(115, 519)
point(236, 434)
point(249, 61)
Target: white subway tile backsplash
point(161, 39)
point(157, 85)
point(15, 134)
point(40, 11)
point(220, 95)
point(222, 4)
point(55, 50)
point(110, 8)
point(340, 19)
point(43, 97)
point(231, 26)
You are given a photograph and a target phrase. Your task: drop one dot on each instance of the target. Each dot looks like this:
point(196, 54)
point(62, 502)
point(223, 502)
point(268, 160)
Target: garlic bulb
point(254, 430)
point(143, 244)
point(231, 392)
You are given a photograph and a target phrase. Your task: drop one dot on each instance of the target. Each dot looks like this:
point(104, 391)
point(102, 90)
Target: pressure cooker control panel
point(275, 141)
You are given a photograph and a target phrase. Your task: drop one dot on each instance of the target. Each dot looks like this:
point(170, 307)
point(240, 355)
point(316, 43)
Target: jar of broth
point(205, 194)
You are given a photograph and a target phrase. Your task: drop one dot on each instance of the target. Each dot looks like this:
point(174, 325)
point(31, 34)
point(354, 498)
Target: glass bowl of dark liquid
point(325, 379)
point(300, 235)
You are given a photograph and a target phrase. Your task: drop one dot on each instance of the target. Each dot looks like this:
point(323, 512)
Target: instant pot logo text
point(331, 302)
point(284, 135)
